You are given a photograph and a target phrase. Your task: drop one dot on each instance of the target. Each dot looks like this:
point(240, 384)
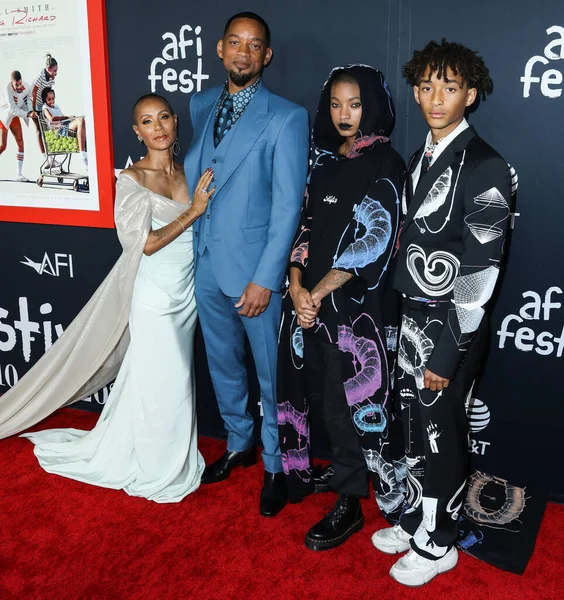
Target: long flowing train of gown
point(145, 441)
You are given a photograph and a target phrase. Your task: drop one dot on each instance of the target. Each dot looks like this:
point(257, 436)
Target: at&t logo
point(478, 415)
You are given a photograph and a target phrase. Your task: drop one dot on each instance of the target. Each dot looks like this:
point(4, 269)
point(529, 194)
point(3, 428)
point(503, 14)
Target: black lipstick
point(344, 126)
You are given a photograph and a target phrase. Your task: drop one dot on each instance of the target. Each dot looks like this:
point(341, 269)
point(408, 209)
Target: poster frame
point(99, 73)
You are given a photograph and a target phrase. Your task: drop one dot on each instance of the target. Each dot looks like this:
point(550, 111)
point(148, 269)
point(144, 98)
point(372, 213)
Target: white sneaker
point(22, 178)
point(414, 570)
point(391, 540)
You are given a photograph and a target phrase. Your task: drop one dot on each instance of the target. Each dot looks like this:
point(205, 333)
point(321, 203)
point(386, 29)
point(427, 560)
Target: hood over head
point(378, 115)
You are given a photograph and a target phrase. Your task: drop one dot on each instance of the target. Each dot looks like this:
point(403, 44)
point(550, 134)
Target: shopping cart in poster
point(58, 155)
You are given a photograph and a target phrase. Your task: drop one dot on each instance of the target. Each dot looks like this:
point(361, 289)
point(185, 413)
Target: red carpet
point(61, 539)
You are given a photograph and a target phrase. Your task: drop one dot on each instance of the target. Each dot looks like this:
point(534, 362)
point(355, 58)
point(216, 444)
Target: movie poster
point(48, 116)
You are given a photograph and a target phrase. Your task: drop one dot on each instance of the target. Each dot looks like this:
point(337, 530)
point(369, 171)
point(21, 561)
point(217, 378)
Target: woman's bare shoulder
point(136, 173)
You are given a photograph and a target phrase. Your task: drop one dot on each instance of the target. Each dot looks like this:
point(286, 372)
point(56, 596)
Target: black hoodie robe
point(349, 222)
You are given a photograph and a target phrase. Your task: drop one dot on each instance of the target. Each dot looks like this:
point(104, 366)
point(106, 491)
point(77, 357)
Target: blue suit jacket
point(260, 172)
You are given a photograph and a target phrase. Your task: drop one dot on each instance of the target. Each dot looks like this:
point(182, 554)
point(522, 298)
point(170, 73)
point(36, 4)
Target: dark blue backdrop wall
point(172, 51)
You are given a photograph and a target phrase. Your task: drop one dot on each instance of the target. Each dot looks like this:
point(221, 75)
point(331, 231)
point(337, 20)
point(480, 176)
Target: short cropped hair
point(151, 97)
point(254, 17)
point(342, 77)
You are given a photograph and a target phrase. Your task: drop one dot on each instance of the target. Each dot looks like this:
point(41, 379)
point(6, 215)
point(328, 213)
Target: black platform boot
point(338, 525)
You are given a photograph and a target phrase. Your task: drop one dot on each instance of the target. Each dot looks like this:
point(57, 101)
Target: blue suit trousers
point(224, 332)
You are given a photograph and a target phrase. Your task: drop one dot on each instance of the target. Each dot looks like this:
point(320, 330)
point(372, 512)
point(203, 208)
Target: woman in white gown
point(139, 324)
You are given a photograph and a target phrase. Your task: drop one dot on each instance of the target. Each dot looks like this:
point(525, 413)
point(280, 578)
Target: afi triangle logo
point(61, 263)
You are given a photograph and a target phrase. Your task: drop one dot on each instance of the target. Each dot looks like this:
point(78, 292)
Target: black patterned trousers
point(435, 428)
point(324, 372)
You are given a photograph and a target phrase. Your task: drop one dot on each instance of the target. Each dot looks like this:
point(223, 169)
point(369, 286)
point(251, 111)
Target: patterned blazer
point(452, 239)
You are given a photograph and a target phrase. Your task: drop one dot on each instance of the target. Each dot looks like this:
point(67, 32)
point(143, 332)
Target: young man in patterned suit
point(456, 214)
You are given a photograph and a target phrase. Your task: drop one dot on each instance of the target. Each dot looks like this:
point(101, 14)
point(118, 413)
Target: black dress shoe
point(222, 467)
point(321, 478)
point(337, 526)
point(274, 495)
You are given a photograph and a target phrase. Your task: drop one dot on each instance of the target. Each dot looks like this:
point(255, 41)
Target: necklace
point(432, 147)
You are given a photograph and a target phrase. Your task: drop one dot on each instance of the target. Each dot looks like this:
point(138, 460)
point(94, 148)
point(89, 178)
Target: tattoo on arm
point(168, 232)
point(159, 238)
point(162, 232)
point(332, 281)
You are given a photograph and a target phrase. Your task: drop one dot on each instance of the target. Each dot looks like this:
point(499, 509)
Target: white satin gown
point(145, 441)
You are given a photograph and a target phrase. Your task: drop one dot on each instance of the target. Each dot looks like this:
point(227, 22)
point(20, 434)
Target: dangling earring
point(176, 147)
point(140, 139)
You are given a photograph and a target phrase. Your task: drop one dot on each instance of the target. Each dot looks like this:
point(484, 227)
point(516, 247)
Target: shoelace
point(337, 510)
point(412, 556)
point(397, 531)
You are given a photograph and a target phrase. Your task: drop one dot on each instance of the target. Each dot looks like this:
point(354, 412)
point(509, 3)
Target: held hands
point(254, 300)
point(32, 114)
point(305, 306)
point(201, 193)
point(434, 382)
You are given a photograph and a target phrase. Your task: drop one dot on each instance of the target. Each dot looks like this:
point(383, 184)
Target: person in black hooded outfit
point(339, 324)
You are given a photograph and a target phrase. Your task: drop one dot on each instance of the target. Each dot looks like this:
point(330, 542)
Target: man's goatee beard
point(240, 79)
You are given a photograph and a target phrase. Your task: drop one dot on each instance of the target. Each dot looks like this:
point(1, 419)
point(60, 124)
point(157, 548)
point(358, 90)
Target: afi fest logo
point(169, 77)
point(60, 264)
point(515, 332)
point(101, 396)
point(41, 334)
point(550, 80)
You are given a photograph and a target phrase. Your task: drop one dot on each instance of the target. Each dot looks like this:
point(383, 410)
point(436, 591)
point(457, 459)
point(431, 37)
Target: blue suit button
point(196, 233)
point(214, 161)
point(207, 216)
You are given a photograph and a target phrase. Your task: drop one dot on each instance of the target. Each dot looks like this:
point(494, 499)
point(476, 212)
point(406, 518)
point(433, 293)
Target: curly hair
point(46, 91)
point(458, 58)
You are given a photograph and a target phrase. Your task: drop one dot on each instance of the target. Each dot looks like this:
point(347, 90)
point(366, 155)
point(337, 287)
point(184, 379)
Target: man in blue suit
point(257, 145)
